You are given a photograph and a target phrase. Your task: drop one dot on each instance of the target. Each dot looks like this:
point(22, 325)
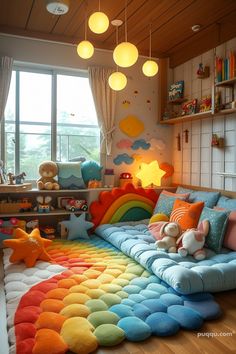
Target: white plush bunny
point(193, 241)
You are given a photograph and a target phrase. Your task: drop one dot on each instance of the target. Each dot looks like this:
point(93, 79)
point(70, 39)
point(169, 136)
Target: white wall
point(198, 163)
point(63, 55)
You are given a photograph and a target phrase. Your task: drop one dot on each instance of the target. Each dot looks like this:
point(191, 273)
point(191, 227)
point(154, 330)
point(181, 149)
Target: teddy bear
point(47, 170)
point(193, 240)
point(166, 234)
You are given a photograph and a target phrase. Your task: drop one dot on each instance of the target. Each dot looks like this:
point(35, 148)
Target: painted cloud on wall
point(157, 144)
point(124, 144)
point(123, 158)
point(140, 144)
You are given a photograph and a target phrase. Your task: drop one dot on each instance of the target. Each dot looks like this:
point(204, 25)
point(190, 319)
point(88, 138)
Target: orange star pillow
point(28, 247)
point(186, 214)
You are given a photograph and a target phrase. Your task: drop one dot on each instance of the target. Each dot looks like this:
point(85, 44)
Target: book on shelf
point(225, 67)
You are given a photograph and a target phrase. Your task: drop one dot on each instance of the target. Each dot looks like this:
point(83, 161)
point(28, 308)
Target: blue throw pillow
point(226, 203)
point(218, 222)
point(165, 204)
point(209, 198)
point(70, 176)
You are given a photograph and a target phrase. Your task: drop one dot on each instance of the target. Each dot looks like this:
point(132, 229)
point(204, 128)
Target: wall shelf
point(229, 82)
point(187, 118)
point(35, 213)
point(196, 116)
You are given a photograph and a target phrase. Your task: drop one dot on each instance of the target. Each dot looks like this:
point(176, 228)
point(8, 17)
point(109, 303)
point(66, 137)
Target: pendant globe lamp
point(150, 67)
point(98, 21)
point(125, 54)
point(117, 80)
point(85, 49)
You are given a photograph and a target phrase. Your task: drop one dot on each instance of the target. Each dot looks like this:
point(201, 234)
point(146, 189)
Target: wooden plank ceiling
point(171, 22)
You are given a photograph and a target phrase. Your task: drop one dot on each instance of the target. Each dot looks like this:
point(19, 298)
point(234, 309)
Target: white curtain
point(105, 101)
point(6, 64)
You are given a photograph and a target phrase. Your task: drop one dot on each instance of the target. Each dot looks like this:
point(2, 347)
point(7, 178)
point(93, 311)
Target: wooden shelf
point(187, 118)
point(196, 116)
point(35, 213)
point(225, 111)
point(178, 101)
point(230, 82)
point(44, 191)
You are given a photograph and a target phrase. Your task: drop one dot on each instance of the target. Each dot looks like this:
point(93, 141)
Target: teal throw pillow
point(70, 175)
point(165, 203)
point(218, 222)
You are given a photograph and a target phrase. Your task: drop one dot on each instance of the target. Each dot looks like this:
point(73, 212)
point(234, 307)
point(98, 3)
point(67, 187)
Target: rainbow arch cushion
point(123, 204)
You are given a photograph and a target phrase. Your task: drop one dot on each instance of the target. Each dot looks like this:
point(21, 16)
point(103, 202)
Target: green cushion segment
point(109, 335)
point(110, 299)
point(96, 305)
point(103, 317)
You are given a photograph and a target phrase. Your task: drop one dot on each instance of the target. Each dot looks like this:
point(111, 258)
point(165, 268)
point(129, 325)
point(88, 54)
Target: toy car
point(76, 205)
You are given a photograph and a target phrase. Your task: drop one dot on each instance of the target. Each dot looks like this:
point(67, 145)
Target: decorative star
point(77, 227)
point(150, 174)
point(28, 247)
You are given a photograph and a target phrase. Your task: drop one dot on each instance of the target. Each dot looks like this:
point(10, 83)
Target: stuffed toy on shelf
point(47, 170)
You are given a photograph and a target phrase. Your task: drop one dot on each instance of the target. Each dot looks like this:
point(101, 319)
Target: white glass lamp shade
point(150, 68)
point(98, 22)
point(85, 49)
point(125, 54)
point(117, 81)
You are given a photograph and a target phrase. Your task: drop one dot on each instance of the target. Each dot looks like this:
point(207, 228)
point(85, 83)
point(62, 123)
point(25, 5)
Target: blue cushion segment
point(186, 317)
point(135, 329)
point(162, 324)
point(208, 310)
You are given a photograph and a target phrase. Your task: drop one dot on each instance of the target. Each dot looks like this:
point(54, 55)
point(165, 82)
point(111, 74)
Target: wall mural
point(123, 158)
point(131, 126)
point(157, 144)
point(140, 144)
point(124, 144)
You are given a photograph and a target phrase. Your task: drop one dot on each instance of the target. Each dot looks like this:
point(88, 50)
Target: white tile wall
point(198, 163)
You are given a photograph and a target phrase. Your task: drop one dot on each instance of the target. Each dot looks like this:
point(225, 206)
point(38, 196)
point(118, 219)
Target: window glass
point(29, 115)
point(77, 131)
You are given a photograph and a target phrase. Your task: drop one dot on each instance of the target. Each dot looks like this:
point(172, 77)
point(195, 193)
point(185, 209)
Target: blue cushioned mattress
point(184, 274)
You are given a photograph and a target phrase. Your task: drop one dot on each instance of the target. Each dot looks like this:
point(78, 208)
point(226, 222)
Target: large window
point(49, 115)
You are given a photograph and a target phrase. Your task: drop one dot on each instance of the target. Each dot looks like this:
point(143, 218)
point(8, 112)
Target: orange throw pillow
point(186, 214)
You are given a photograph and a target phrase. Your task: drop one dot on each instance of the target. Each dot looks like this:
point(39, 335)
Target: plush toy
point(166, 234)
point(48, 170)
point(44, 204)
point(28, 247)
point(193, 240)
point(91, 170)
point(158, 217)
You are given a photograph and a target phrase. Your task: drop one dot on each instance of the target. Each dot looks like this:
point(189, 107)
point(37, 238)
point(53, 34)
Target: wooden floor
point(223, 342)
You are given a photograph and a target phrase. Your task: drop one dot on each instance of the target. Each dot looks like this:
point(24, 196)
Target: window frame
point(41, 69)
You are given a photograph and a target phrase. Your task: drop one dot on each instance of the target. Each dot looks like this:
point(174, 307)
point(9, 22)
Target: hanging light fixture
point(125, 54)
point(150, 67)
point(98, 21)
point(85, 49)
point(117, 80)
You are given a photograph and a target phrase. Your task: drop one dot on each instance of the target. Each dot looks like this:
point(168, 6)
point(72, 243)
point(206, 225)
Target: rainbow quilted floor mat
point(93, 295)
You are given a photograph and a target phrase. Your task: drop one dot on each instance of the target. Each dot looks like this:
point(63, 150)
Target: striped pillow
point(186, 214)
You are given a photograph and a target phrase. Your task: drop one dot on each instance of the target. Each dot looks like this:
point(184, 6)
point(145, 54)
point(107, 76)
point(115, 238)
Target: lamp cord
point(85, 20)
point(99, 6)
point(150, 41)
point(126, 40)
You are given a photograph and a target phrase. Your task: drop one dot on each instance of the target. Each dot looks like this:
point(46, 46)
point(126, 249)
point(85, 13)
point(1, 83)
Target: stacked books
point(225, 68)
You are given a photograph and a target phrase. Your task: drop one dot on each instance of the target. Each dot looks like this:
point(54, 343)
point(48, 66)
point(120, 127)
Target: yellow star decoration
point(28, 247)
point(150, 174)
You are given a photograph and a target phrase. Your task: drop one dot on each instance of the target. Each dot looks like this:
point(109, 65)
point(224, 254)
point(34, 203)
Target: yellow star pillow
point(28, 247)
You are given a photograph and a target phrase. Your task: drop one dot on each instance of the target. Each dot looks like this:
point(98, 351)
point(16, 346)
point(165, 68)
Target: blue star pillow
point(77, 227)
